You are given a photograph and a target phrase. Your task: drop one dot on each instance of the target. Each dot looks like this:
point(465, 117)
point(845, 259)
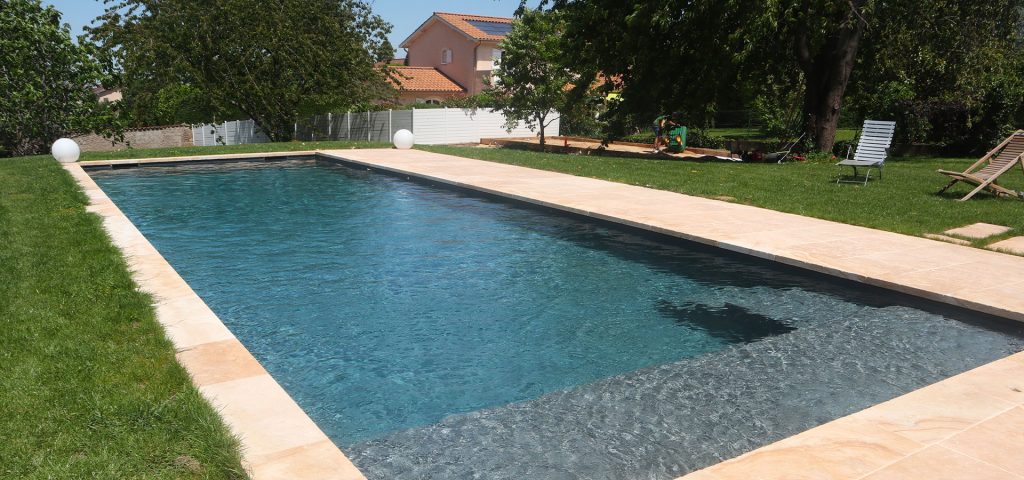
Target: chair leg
point(867, 176)
point(975, 191)
point(950, 184)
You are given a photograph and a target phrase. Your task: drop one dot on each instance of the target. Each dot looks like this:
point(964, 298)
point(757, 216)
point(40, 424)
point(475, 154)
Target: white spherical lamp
point(65, 150)
point(403, 139)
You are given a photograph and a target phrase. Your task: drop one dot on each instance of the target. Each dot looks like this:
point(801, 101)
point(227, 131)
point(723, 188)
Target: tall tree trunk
point(540, 121)
point(826, 75)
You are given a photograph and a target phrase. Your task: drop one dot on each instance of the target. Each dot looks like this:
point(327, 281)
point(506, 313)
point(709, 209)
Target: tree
point(531, 80)
point(692, 55)
point(825, 36)
point(696, 55)
point(271, 61)
point(45, 78)
point(674, 55)
point(959, 90)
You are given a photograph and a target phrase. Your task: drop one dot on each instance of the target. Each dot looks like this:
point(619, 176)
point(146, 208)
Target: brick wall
point(148, 137)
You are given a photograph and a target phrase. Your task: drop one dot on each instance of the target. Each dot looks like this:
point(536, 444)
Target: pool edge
point(907, 429)
point(881, 439)
point(278, 439)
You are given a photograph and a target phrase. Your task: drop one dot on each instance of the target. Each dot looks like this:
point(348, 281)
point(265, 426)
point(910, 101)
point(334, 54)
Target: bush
point(820, 157)
point(700, 138)
point(841, 147)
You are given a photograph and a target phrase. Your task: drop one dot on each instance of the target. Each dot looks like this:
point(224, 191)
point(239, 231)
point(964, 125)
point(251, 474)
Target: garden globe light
point(65, 150)
point(403, 139)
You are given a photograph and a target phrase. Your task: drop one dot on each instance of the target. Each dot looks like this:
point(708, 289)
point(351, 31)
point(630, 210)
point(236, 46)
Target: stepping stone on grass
point(944, 238)
point(978, 230)
point(1012, 245)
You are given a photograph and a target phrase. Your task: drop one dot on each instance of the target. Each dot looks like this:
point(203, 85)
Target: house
point(450, 50)
point(107, 94)
point(424, 85)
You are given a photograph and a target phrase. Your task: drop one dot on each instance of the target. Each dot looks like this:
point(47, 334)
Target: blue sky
point(404, 15)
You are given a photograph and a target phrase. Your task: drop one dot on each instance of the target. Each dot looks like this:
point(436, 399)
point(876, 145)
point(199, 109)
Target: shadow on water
point(729, 322)
point(700, 263)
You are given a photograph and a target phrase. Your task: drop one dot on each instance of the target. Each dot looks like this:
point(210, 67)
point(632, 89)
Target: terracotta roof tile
point(424, 79)
point(461, 22)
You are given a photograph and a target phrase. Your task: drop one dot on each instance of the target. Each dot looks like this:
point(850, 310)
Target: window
point(432, 101)
point(496, 57)
point(446, 56)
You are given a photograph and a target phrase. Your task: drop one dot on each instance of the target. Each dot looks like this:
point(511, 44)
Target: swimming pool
point(434, 333)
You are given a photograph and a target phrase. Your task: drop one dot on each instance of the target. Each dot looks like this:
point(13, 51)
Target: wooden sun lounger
point(984, 172)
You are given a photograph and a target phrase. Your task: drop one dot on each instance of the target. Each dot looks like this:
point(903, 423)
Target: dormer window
point(446, 56)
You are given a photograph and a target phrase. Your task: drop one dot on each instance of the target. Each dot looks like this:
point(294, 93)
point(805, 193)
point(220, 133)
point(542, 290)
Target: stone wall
point(148, 137)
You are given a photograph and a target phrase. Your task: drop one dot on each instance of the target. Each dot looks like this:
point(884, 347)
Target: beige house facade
point(462, 48)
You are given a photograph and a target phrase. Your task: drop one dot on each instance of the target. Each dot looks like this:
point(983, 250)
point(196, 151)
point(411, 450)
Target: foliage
point(293, 146)
point(46, 81)
point(172, 104)
point(531, 82)
point(90, 385)
point(961, 85)
point(951, 70)
point(270, 61)
point(480, 100)
point(699, 137)
point(664, 56)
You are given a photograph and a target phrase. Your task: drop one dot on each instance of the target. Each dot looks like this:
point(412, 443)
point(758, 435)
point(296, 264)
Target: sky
point(404, 15)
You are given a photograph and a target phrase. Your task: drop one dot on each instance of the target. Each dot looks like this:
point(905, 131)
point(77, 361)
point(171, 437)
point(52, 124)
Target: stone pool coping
point(967, 423)
point(278, 439)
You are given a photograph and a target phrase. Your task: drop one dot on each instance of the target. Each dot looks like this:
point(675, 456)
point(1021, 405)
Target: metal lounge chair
point(984, 172)
point(872, 150)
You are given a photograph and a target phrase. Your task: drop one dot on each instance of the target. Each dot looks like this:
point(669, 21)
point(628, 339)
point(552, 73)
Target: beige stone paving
point(1013, 245)
point(978, 230)
point(946, 238)
point(968, 426)
point(279, 441)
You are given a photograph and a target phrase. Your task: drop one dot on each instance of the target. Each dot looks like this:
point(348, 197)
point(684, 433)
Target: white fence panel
point(430, 126)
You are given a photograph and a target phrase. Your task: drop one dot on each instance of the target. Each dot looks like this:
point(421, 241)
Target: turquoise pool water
point(433, 333)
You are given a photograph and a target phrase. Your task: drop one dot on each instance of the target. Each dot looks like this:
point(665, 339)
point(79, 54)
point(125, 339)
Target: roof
point(476, 27)
point(424, 79)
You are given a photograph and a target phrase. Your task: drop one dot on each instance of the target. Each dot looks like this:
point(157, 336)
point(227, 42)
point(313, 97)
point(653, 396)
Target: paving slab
point(929, 433)
point(966, 426)
point(946, 238)
point(278, 439)
point(893, 261)
point(1013, 245)
point(978, 230)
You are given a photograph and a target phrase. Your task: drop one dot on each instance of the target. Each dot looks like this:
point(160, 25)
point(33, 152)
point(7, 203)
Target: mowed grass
point(753, 133)
point(89, 385)
point(905, 201)
point(227, 149)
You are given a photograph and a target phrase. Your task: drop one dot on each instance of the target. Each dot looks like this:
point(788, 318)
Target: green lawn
point(90, 387)
point(226, 149)
point(89, 384)
point(905, 201)
point(755, 134)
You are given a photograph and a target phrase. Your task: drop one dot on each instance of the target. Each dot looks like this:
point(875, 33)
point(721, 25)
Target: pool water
point(433, 333)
